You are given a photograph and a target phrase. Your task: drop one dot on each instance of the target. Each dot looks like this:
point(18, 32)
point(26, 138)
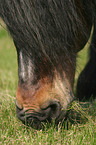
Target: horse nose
point(52, 111)
point(48, 113)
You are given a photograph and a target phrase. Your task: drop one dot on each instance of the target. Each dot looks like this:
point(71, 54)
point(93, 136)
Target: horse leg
point(86, 85)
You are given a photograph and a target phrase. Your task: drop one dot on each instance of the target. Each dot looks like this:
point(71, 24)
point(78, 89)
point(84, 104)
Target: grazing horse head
point(47, 35)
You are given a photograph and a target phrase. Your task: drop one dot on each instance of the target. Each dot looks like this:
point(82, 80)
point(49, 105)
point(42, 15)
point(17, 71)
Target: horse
point(47, 35)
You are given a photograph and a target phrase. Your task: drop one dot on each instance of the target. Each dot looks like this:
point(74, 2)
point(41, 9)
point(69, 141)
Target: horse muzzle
point(35, 119)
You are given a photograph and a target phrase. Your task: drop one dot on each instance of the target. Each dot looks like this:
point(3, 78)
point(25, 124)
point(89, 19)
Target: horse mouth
point(46, 115)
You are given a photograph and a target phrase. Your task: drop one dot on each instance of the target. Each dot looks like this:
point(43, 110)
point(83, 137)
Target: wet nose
point(52, 111)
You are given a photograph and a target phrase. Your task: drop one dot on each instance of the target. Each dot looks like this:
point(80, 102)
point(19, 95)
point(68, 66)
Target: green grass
point(13, 132)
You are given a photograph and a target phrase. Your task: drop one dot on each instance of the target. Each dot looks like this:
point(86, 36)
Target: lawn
point(13, 132)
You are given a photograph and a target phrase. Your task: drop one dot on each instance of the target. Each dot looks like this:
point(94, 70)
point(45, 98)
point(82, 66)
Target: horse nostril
point(52, 111)
point(55, 109)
